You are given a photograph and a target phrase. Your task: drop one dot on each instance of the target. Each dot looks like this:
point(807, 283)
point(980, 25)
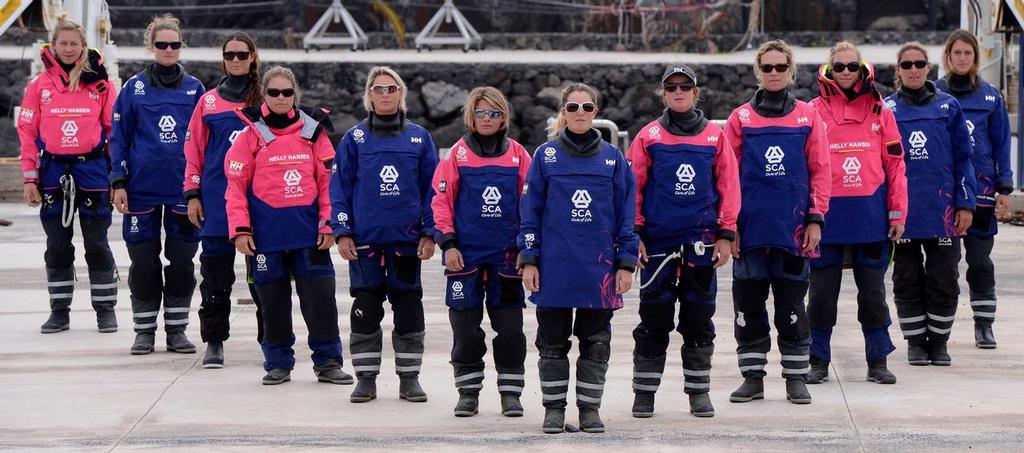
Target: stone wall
point(437, 91)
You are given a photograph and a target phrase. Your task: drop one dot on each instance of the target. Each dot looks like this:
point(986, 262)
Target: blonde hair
point(492, 96)
point(285, 73)
point(64, 23)
point(165, 22)
point(777, 45)
point(378, 71)
point(947, 54)
point(842, 46)
point(560, 121)
point(912, 45)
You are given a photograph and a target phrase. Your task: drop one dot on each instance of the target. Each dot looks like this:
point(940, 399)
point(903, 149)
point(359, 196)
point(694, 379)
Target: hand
point(453, 260)
point(425, 249)
point(195, 212)
point(1002, 207)
point(245, 245)
point(120, 200)
point(32, 194)
point(964, 218)
point(623, 281)
point(812, 236)
point(324, 241)
point(347, 248)
point(896, 232)
point(736, 246)
point(723, 248)
point(531, 277)
point(642, 262)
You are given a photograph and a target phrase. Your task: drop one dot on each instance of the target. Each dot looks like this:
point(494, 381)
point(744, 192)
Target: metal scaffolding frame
point(318, 35)
point(447, 14)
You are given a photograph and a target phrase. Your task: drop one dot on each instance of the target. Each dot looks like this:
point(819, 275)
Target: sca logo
point(549, 154)
point(490, 208)
point(210, 101)
point(389, 181)
point(261, 263)
point(917, 141)
point(140, 88)
point(851, 166)
point(457, 290)
point(135, 225)
point(774, 156)
point(581, 206)
point(685, 173)
point(342, 217)
point(70, 131)
point(167, 125)
point(292, 178)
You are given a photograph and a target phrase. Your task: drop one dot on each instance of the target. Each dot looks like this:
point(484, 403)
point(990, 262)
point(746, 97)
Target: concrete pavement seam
point(842, 391)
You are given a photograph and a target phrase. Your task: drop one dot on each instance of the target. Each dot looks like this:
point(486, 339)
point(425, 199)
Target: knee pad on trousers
point(367, 310)
point(408, 311)
point(553, 351)
point(597, 347)
point(790, 314)
point(650, 344)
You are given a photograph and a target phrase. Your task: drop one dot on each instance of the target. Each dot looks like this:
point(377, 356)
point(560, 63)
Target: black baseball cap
point(679, 69)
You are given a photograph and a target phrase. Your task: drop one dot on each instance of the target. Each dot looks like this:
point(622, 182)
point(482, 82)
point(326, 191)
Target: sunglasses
point(483, 113)
point(573, 107)
point(766, 68)
point(236, 55)
point(385, 89)
point(274, 92)
point(672, 87)
point(919, 64)
point(163, 45)
point(840, 67)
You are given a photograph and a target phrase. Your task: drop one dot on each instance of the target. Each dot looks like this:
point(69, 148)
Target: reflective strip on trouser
point(469, 378)
point(365, 354)
point(103, 289)
point(179, 283)
point(60, 284)
point(145, 281)
point(647, 373)
point(408, 353)
point(981, 278)
point(795, 358)
point(511, 380)
point(554, 381)
point(590, 378)
point(697, 368)
point(753, 356)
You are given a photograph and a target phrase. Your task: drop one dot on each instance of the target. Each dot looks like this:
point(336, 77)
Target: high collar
point(279, 120)
point(97, 71)
point(920, 96)
point(773, 104)
point(688, 123)
point(487, 146)
point(234, 88)
point(386, 125)
point(961, 85)
point(582, 145)
point(161, 76)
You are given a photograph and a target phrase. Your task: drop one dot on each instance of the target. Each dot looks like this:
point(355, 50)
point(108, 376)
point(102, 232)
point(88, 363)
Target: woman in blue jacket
point(381, 214)
point(989, 124)
point(941, 184)
point(577, 251)
point(151, 115)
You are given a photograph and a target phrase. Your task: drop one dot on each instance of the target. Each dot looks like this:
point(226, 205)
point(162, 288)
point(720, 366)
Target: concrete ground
point(81, 391)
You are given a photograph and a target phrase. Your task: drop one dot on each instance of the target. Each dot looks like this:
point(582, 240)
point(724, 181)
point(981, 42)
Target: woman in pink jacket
point(64, 124)
point(868, 209)
point(278, 170)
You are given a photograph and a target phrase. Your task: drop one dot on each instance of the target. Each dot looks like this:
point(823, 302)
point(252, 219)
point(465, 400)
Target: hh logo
point(685, 173)
point(851, 165)
point(416, 139)
point(990, 98)
point(802, 119)
point(581, 199)
point(292, 177)
point(234, 136)
point(261, 263)
point(609, 162)
point(442, 186)
point(190, 93)
point(69, 128)
point(945, 106)
point(875, 127)
point(140, 88)
point(235, 166)
point(917, 139)
point(712, 139)
point(389, 174)
point(549, 154)
point(167, 123)
point(774, 154)
point(492, 195)
point(970, 127)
